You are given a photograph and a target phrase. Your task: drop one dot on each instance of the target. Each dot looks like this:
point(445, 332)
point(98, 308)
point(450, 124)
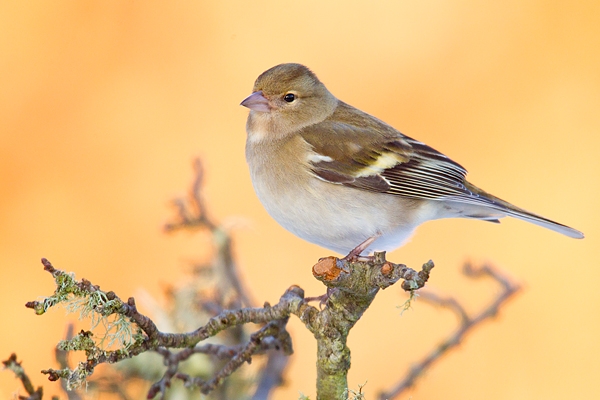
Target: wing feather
point(355, 149)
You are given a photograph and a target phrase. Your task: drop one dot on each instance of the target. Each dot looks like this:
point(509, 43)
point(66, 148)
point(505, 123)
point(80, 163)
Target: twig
point(272, 329)
point(271, 376)
point(267, 339)
point(12, 364)
point(63, 362)
point(467, 323)
point(192, 214)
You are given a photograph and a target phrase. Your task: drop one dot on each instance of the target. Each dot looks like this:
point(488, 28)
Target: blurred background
point(103, 106)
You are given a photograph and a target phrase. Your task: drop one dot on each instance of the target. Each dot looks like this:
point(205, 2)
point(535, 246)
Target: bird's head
point(285, 99)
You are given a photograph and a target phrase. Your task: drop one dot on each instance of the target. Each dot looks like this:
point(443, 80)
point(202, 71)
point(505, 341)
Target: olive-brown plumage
point(336, 176)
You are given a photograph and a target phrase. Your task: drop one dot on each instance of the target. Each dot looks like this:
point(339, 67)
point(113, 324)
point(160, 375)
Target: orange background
point(103, 105)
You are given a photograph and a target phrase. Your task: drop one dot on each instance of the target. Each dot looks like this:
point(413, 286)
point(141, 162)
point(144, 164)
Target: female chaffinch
point(338, 177)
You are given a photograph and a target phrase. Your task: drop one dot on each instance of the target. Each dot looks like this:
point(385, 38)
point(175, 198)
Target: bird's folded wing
point(354, 149)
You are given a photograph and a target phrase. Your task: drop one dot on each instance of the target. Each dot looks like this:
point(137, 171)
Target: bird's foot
point(322, 299)
point(354, 254)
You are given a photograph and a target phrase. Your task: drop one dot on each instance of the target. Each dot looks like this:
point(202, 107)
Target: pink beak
point(257, 102)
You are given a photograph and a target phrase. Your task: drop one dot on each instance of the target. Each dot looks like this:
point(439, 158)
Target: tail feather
point(545, 223)
point(483, 205)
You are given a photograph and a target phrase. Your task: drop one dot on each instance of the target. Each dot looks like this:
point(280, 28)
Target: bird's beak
point(257, 102)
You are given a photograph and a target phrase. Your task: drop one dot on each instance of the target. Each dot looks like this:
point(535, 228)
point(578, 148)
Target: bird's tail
point(483, 205)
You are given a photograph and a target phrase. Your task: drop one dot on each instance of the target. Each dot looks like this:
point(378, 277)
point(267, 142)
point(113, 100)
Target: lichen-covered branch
point(148, 337)
point(351, 289)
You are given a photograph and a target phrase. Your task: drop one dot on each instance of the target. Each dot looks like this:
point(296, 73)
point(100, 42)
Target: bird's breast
point(331, 215)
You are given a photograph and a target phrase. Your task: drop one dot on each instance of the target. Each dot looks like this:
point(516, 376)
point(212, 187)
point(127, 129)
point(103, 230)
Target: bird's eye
point(289, 97)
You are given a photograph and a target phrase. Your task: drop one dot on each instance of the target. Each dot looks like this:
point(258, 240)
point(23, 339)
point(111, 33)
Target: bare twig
point(271, 376)
point(192, 214)
point(467, 323)
point(12, 364)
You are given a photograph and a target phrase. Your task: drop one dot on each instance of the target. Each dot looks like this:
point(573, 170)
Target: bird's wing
point(354, 149)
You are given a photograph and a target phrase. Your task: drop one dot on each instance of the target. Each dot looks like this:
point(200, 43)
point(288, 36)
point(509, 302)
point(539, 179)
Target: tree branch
point(352, 285)
point(352, 288)
point(150, 338)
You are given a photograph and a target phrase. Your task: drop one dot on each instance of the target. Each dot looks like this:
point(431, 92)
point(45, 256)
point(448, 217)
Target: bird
point(340, 178)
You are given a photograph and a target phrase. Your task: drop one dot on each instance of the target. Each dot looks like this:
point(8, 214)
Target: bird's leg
point(354, 254)
point(322, 298)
